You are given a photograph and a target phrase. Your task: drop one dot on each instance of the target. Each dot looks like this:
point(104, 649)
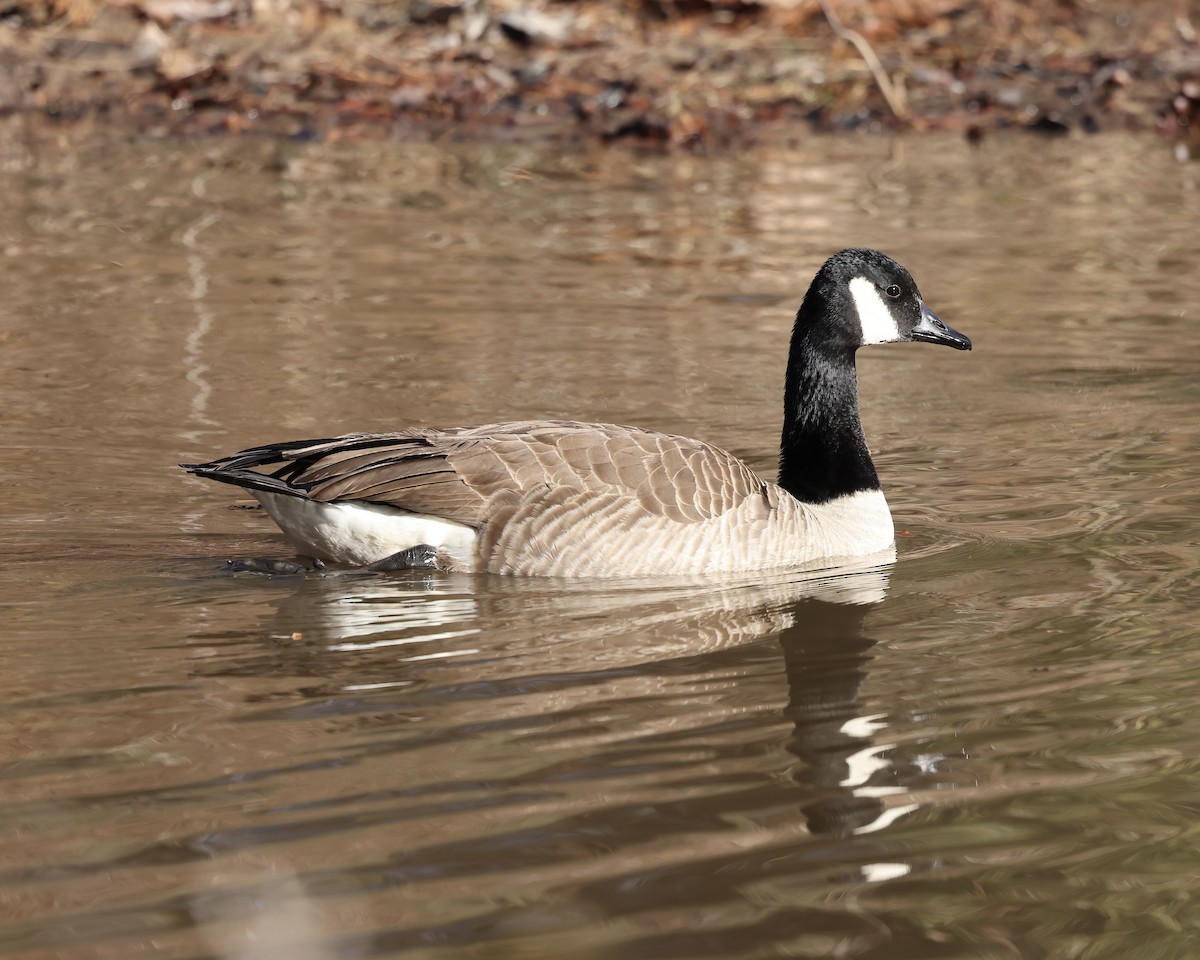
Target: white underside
point(358, 533)
point(592, 538)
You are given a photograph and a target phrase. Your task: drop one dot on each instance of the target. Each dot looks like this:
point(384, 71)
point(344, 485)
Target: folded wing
point(463, 474)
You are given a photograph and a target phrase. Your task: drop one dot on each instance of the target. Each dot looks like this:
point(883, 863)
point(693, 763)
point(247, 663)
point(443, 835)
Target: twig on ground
point(892, 93)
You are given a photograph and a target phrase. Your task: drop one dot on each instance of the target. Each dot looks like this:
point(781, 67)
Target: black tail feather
point(239, 468)
point(273, 468)
point(223, 472)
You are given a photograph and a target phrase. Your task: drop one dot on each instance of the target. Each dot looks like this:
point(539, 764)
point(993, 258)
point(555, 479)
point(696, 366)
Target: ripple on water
point(982, 750)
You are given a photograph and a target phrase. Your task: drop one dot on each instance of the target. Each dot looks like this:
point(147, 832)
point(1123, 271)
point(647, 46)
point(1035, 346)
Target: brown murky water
point(984, 751)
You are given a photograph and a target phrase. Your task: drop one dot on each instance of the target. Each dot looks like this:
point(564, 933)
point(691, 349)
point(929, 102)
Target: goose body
point(563, 498)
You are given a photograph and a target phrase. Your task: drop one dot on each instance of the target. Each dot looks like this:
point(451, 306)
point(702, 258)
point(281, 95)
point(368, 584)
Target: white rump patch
point(874, 316)
point(358, 533)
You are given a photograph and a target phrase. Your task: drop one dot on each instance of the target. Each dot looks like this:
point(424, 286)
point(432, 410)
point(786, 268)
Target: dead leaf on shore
point(189, 11)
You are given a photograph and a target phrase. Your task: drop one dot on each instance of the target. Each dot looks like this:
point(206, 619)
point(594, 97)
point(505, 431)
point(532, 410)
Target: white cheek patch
point(874, 318)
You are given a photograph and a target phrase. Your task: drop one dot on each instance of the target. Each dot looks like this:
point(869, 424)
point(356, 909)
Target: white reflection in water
point(195, 369)
point(400, 641)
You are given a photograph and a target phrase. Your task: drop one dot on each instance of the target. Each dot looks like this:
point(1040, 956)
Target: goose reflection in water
point(826, 656)
point(482, 638)
point(627, 743)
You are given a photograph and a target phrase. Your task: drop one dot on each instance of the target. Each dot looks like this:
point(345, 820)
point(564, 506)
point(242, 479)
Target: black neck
point(823, 453)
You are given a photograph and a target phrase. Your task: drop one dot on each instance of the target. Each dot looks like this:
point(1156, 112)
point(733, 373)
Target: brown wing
point(458, 473)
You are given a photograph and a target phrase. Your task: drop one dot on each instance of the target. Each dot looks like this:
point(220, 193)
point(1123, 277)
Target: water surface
point(985, 750)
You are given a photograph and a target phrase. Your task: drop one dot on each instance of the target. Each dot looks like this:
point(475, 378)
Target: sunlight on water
point(983, 749)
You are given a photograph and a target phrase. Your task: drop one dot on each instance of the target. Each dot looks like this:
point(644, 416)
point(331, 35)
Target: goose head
point(867, 297)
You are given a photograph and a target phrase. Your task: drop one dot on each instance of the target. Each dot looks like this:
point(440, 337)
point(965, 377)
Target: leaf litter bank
point(668, 74)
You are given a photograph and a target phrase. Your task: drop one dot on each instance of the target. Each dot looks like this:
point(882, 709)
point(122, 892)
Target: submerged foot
point(272, 565)
point(420, 557)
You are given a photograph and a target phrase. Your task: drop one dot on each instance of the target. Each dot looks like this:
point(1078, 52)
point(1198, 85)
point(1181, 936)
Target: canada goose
point(561, 498)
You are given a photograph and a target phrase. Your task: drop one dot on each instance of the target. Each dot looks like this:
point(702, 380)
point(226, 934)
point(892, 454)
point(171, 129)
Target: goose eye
point(893, 291)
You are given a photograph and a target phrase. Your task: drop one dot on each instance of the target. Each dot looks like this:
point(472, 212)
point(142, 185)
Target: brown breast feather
point(463, 473)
